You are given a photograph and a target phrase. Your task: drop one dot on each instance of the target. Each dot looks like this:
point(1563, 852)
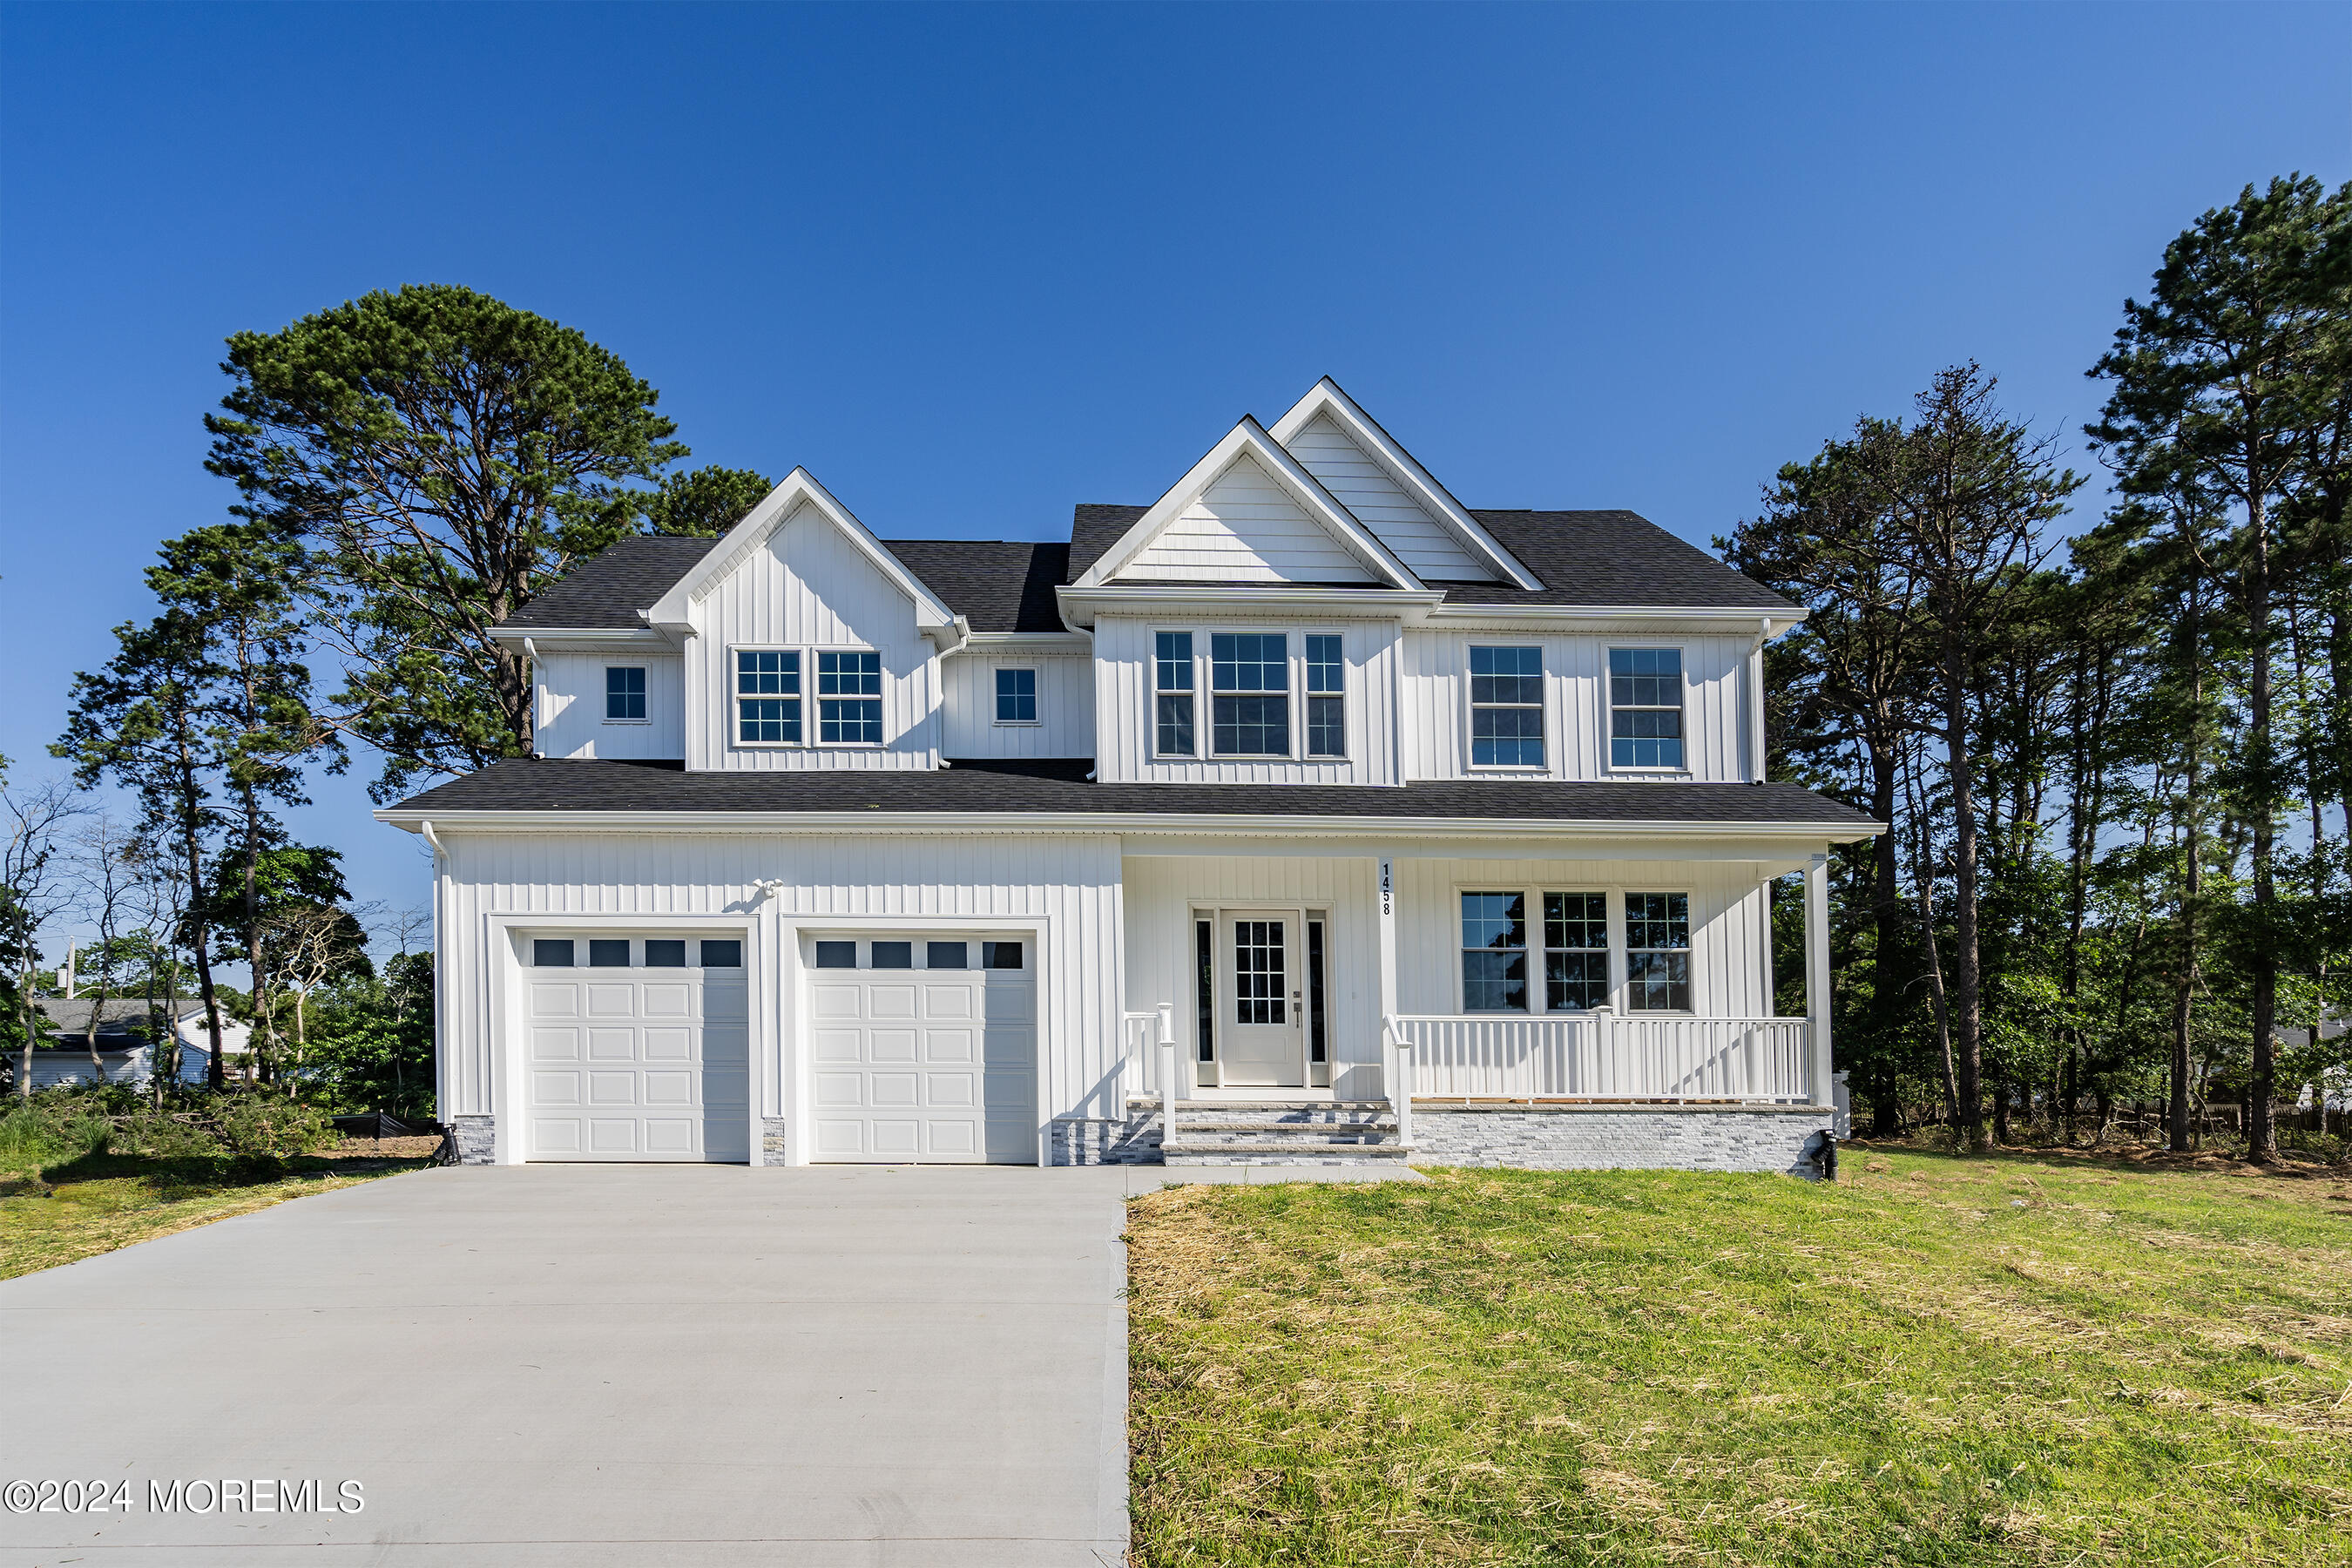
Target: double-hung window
point(1657, 953)
point(1016, 696)
point(1576, 952)
point(1507, 696)
point(1249, 694)
point(1171, 686)
point(1494, 952)
point(768, 697)
point(849, 699)
point(625, 692)
point(1327, 700)
point(1645, 708)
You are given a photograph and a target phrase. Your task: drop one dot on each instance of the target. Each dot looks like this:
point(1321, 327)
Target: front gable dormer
point(1247, 513)
point(808, 645)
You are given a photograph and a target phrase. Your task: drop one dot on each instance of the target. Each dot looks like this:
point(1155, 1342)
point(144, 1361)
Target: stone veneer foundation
point(1783, 1139)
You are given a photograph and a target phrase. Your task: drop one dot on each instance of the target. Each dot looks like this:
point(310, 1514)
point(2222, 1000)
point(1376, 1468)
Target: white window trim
point(810, 714)
point(735, 740)
point(1619, 967)
point(1037, 693)
point(1294, 666)
point(1549, 767)
point(1154, 691)
point(1609, 710)
point(1348, 726)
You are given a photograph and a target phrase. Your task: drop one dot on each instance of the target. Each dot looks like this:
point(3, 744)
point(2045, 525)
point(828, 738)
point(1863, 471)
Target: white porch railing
point(1148, 1057)
point(1600, 1055)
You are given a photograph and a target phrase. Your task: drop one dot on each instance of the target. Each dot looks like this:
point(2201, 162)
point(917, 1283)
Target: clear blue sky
point(972, 265)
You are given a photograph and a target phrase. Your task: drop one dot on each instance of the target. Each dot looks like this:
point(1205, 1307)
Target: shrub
point(260, 1126)
point(50, 1129)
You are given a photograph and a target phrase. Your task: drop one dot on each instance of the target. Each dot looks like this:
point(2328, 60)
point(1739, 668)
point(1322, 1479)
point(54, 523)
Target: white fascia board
point(1033, 642)
point(1228, 825)
point(1408, 606)
point(675, 607)
point(600, 637)
point(1605, 617)
point(1327, 397)
point(1250, 436)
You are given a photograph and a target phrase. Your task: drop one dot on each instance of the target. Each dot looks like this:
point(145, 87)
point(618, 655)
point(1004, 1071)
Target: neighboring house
point(62, 1055)
point(1301, 785)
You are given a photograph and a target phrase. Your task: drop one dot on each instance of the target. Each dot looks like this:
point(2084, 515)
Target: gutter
point(1218, 825)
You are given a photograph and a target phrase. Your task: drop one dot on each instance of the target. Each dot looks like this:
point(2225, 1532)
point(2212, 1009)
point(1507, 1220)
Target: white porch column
point(1388, 938)
point(1817, 979)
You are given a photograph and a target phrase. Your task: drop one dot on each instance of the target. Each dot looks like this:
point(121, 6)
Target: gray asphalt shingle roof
point(973, 787)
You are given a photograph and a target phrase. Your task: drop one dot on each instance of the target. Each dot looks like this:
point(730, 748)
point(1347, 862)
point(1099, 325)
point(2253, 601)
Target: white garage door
point(924, 1050)
point(640, 1049)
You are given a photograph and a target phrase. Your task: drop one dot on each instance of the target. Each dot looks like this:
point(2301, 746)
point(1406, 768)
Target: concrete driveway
point(589, 1366)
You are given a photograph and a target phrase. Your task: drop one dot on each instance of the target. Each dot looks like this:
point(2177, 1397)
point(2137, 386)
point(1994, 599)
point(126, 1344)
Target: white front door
point(923, 1050)
point(632, 1060)
point(1261, 985)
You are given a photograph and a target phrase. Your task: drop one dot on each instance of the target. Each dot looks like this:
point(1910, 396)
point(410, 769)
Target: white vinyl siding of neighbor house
point(809, 587)
point(1716, 673)
point(1065, 706)
point(570, 719)
point(1365, 486)
point(1125, 708)
point(1245, 528)
point(1064, 889)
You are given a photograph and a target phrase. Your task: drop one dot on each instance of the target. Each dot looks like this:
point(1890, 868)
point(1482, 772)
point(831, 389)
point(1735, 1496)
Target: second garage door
point(923, 1050)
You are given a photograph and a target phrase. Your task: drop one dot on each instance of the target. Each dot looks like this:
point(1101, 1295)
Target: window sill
point(1018, 723)
point(628, 720)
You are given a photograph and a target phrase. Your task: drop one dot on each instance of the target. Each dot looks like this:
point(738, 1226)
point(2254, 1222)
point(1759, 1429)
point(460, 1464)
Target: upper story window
point(1249, 694)
point(849, 699)
point(1576, 950)
point(1326, 701)
point(768, 697)
point(625, 692)
point(1494, 952)
point(1645, 708)
point(1506, 695)
point(1016, 696)
point(1657, 953)
point(1171, 686)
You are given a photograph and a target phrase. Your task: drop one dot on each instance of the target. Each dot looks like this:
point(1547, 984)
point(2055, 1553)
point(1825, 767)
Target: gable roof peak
point(1323, 512)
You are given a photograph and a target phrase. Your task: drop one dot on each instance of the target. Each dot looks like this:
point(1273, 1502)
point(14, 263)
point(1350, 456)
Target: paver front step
point(1292, 1146)
point(1207, 1124)
point(1209, 1107)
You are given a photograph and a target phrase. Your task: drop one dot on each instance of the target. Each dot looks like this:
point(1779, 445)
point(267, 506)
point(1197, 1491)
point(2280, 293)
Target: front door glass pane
point(1260, 985)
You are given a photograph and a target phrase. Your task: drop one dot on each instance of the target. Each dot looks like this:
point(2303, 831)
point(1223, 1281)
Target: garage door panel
point(658, 1078)
point(943, 1059)
point(555, 1044)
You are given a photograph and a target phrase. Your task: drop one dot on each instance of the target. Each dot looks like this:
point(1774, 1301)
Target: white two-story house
point(1304, 808)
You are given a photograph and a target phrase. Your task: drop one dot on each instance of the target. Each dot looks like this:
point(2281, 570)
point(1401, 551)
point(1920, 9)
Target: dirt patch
point(418, 1148)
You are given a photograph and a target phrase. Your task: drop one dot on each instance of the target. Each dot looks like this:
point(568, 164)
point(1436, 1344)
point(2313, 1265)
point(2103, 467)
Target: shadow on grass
point(2143, 1159)
point(199, 1173)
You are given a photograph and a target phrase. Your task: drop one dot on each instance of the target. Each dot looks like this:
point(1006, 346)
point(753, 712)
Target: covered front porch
point(1342, 989)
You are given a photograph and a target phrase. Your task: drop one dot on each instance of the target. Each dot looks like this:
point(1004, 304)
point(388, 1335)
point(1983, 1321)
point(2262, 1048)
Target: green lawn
point(2014, 1359)
point(100, 1202)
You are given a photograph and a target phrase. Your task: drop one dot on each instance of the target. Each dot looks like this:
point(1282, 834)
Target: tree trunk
point(2263, 961)
point(1966, 1002)
point(96, 1006)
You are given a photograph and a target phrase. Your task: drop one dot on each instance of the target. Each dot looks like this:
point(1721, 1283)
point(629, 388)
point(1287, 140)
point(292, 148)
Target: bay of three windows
point(769, 696)
point(1499, 952)
point(1250, 694)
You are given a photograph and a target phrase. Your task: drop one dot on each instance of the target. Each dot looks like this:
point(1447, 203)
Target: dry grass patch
point(2009, 1361)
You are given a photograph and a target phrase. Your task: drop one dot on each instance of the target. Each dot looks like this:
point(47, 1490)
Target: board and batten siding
point(1124, 707)
point(1730, 924)
point(809, 587)
point(571, 719)
point(1436, 701)
point(1067, 885)
point(1163, 890)
point(1245, 528)
point(1065, 706)
point(1363, 484)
